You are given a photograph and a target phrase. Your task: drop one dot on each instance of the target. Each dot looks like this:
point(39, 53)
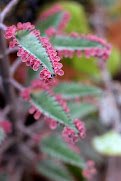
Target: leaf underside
point(50, 107)
point(33, 46)
point(51, 21)
point(53, 170)
point(55, 147)
point(71, 43)
point(73, 90)
point(80, 110)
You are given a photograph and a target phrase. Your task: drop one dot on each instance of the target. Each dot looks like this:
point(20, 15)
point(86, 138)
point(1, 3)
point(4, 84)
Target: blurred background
point(100, 17)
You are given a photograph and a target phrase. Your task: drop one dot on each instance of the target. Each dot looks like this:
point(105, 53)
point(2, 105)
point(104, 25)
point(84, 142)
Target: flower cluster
point(68, 132)
point(29, 59)
point(90, 170)
point(103, 51)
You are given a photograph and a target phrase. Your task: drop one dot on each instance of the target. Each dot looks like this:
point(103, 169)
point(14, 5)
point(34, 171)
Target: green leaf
point(79, 110)
point(31, 74)
point(4, 177)
point(52, 21)
point(108, 144)
point(31, 44)
point(53, 170)
point(73, 90)
point(55, 147)
point(76, 172)
point(2, 134)
point(50, 107)
point(71, 43)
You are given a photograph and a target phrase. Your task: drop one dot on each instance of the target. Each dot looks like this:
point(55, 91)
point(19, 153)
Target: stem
point(12, 50)
point(99, 22)
point(16, 85)
point(3, 27)
point(15, 65)
point(5, 74)
point(8, 8)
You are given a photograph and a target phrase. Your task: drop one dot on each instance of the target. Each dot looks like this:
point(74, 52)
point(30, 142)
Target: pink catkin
point(29, 59)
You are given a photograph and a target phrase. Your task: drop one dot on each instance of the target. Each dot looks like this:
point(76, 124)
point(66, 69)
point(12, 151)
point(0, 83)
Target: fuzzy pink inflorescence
point(102, 52)
point(29, 59)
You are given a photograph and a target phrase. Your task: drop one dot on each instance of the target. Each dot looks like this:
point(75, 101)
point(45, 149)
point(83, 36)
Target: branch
point(15, 65)
point(27, 153)
point(7, 144)
point(25, 130)
point(7, 9)
point(3, 27)
point(17, 85)
point(12, 50)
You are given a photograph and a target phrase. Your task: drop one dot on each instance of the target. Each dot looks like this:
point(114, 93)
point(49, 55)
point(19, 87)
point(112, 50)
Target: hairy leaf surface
point(72, 90)
point(53, 170)
point(31, 44)
point(55, 147)
point(52, 21)
point(71, 43)
point(50, 107)
point(79, 110)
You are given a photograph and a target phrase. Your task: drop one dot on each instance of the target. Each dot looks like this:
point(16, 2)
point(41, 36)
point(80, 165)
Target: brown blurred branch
point(7, 9)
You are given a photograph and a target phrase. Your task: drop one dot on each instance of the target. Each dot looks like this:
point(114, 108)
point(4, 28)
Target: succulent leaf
point(55, 147)
point(73, 90)
point(53, 170)
point(50, 107)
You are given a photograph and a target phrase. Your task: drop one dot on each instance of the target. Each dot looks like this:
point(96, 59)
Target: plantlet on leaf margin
point(26, 38)
point(72, 129)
